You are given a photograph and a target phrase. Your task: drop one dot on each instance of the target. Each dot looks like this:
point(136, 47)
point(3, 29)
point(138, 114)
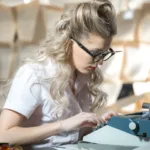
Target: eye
point(104, 52)
point(97, 51)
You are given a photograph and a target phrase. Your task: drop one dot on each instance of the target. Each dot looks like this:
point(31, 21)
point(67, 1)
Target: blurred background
point(25, 23)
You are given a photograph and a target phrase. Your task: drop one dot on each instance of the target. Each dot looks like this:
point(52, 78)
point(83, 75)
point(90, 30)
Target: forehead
point(97, 41)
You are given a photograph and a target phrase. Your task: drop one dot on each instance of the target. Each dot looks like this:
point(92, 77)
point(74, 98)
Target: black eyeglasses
point(100, 56)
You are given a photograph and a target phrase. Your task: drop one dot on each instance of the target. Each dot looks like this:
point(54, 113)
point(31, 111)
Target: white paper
point(112, 90)
point(137, 63)
point(144, 29)
point(141, 88)
point(111, 68)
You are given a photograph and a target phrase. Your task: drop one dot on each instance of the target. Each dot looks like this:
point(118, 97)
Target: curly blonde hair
point(94, 16)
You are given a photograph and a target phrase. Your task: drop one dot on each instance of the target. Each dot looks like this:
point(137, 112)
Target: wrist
point(57, 127)
point(64, 127)
point(61, 126)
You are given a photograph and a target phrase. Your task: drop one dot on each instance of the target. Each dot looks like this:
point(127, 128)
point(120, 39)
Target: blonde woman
point(52, 98)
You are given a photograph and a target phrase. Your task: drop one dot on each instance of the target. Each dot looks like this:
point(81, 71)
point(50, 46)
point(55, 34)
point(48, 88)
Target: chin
point(84, 71)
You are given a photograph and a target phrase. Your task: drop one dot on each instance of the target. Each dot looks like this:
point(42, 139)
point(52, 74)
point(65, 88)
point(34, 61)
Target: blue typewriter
point(126, 132)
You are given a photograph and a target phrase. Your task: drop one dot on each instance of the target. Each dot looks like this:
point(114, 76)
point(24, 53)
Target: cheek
point(80, 58)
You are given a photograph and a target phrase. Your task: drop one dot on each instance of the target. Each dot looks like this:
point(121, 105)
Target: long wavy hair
point(94, 16)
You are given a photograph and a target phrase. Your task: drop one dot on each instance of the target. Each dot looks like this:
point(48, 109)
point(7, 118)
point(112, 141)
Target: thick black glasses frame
point(102, 55)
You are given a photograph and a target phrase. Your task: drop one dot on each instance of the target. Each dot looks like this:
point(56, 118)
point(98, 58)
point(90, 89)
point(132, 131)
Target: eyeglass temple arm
point(117, 51)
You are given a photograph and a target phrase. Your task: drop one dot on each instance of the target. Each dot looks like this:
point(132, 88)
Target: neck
point(75, 73)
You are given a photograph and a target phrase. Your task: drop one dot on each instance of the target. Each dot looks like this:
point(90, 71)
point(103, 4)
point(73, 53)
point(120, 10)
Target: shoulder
point(38, 70)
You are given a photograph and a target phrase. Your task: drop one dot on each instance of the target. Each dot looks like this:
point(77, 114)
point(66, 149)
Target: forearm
point(20, 135)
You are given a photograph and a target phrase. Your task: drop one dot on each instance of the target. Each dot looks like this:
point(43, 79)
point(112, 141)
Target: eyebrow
point(97, 50)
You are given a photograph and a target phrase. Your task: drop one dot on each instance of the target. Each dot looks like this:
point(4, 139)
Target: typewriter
point(125, 132)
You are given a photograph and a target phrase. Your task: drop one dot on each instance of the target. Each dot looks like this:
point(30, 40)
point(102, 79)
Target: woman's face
point(82, 61)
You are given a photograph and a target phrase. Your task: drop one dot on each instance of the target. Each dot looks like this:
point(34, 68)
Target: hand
point(107, 116)
point(81, 120)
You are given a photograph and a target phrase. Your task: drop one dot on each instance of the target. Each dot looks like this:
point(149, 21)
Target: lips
point(92, 68)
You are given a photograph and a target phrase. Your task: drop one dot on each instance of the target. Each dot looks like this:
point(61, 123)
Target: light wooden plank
point(26, 20)
point(7, 25)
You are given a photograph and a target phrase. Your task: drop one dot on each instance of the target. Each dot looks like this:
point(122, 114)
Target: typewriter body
point(126, 132)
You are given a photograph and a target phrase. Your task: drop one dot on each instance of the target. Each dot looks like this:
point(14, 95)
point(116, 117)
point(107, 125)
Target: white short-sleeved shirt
point(30, 96)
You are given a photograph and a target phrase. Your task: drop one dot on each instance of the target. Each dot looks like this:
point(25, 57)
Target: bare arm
point(10, 131)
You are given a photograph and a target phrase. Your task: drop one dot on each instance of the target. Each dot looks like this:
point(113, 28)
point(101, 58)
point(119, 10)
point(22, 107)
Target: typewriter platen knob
point(133, 126)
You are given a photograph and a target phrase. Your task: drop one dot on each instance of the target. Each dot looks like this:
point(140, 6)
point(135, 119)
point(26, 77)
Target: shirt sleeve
point(24, 94)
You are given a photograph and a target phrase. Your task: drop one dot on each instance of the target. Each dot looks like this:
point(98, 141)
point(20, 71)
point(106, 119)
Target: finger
point(108, 117)
point(97, 119)
point(94, 118)
point(120, 114)
point(89, 124)
point(102, 120)
point(91, 118)
point(113, 113)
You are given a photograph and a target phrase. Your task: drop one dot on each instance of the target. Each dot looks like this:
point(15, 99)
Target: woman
point(52, 98)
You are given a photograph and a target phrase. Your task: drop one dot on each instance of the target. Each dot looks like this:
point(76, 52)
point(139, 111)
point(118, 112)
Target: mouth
point(92, 68)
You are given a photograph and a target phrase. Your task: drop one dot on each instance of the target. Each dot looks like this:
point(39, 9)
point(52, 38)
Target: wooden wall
point(24, 26)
